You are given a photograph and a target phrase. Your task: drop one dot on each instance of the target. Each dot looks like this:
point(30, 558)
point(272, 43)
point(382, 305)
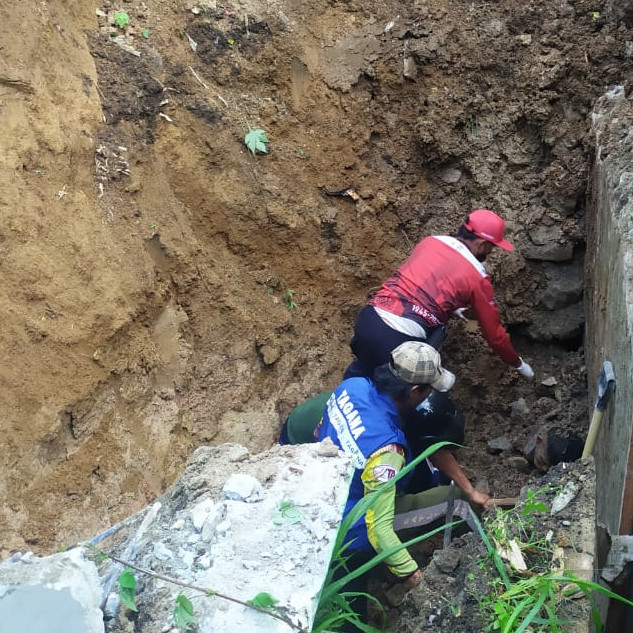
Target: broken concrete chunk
point(55, 594)
point(327, 448)
point(213, 519)
point(243, 488)
point(201, 513)
point(162, 552)
point(564, 497)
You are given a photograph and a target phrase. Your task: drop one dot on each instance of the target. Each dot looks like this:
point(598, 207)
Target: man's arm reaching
point(449, 466)
point(380, 469)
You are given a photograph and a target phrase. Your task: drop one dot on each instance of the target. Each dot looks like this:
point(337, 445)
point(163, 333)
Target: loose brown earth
point(148, 259)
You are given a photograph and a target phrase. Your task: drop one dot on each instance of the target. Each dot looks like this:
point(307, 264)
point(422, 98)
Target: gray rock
point(564, 286)
point(450, 175)
point(519, 409)
point(498, 445)
point(519, 464)
point(447, 560)
point(562, 325)
point(548, 244)
point(410, 70)
point(494, 27)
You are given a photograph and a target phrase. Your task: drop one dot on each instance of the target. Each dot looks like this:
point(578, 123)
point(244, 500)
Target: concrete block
point(55, 594)
point(241, 525)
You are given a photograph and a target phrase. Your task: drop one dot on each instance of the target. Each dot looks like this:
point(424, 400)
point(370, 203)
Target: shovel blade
point(606, 384)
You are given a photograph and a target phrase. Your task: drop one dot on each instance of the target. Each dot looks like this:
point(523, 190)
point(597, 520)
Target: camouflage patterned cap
point(419, 364)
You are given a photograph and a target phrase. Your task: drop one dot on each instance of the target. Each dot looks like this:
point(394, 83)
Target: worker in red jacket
point(442, 276)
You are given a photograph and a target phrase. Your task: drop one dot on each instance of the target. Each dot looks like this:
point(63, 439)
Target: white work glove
point(525, 370)
point(459, 313)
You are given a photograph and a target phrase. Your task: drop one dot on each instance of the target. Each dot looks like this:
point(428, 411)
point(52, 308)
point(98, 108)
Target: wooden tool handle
point(505, 502)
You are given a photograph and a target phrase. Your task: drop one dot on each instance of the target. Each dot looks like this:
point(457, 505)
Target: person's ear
point(421, 391)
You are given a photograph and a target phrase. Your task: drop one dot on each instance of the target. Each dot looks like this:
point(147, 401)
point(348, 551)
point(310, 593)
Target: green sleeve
point(379, 518)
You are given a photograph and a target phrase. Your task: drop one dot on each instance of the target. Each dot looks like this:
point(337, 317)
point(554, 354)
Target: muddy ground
point(164, 288)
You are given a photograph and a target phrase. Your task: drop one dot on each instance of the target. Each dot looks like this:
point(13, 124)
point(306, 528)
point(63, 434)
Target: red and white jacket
point(440, 276)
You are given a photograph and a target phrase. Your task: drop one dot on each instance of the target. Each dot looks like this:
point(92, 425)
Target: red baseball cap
point(488, 226)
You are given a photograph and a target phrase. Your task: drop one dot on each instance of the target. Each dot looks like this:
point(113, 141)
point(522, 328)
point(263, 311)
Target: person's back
point(360, 420)
point(437, 279)
point(301, 424)
point(443, 276)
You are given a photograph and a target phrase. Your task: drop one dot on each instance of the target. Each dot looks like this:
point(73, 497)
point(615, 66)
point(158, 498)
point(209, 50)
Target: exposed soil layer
point(164, 288)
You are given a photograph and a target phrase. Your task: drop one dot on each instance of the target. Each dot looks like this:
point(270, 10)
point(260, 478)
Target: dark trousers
point(374, 340)
point(360, 603)
point(283, 436)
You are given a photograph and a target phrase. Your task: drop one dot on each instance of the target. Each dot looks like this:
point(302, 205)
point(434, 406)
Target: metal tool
point(606, 385)
point(450, 512)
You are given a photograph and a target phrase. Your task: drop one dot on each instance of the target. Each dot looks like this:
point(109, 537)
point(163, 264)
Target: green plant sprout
point(287, 513)
point(532, 505)
point(533, 604)
point(127, 588)
point(183, 613)
point(256, 141)
point(121, 19)
point(264, 601)
point(145, 33)
point(289, 301)
point(454, 608)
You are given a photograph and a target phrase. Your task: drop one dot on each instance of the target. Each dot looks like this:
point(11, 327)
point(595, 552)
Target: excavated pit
point(148, 257)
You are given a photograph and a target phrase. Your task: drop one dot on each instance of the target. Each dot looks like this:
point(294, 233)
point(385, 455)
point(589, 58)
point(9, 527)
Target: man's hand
point(479, 498)
point(396, 593)
point(525, 370)
point(412, 580)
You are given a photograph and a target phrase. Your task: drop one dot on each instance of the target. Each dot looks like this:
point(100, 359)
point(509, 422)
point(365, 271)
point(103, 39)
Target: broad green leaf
point(121, 19)
point(127, 588)
point(145, 33)
point(263, 600)
point(287, 513)
point(183, 613)
point(256, 141)
point(127, 579)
